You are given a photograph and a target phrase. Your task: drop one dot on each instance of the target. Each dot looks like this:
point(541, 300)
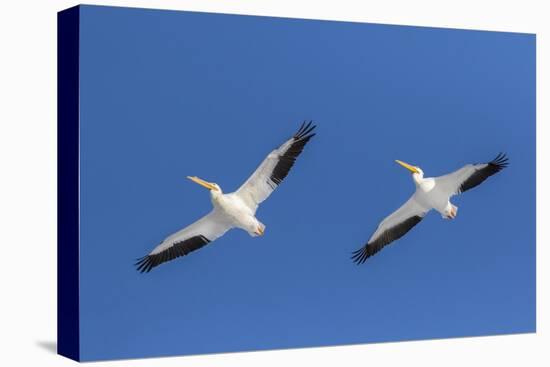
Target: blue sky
point(170, 94)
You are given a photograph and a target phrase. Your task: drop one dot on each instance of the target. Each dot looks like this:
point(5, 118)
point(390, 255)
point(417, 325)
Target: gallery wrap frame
point(69, 326)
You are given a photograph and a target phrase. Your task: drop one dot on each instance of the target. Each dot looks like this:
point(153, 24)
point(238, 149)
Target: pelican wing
point(392, 228)
point(470, 175)
point(191, 238)
point(274, 168)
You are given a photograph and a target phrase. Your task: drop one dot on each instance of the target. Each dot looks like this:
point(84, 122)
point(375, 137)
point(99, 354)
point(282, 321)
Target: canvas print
point(236, 183)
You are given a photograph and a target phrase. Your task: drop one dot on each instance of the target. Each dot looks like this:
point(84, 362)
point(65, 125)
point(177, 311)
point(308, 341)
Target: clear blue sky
point(170, 94)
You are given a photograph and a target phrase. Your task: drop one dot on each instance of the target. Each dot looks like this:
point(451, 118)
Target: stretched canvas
point(150, 97)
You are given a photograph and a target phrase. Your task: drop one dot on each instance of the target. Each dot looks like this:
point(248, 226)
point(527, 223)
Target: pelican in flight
point(233, 210)
point(431, 193)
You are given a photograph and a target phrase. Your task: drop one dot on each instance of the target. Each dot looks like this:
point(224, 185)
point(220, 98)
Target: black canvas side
point(68, 341)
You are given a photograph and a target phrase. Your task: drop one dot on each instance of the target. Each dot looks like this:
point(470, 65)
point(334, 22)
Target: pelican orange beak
point(407, 166)
point(200, 181)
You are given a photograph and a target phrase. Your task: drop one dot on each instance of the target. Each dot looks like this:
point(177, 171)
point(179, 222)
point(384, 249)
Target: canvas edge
point(68, 215)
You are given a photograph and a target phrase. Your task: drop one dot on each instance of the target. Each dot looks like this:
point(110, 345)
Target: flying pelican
point(233, 210)
point(431, 193)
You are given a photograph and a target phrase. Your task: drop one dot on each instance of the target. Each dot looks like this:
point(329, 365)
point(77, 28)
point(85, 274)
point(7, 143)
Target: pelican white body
point(430, 195)
point(237, 212)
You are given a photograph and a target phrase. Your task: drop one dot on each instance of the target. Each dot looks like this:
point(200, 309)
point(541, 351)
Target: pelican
point(233, 210)
point(431, 193)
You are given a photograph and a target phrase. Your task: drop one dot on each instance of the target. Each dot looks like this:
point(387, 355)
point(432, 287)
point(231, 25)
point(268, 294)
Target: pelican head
point(417, 172)
point(212, 186)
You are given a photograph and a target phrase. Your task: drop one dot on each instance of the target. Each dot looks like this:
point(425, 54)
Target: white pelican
point(233, 210)
point(431, 193)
